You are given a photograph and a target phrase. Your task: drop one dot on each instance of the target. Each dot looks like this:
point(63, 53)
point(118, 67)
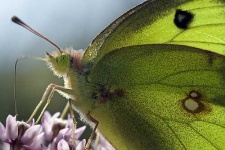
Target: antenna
point(21, 23)
point(15, 74)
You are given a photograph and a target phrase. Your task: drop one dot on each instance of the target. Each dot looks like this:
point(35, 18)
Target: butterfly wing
point(198, 23)
point(173, 97)
point(167, 60)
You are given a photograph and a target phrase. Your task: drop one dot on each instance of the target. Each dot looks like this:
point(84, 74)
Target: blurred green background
point(69, 23)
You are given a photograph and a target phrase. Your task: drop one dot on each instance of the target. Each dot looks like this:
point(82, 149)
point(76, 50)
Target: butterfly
point(154, 78)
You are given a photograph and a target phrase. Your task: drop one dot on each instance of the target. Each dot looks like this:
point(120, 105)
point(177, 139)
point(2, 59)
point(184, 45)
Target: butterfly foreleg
point(40, 103)
point(54, 87)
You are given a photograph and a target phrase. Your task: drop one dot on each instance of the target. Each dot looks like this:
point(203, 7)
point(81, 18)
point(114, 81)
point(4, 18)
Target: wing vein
point(188, 124)
point(174, 133)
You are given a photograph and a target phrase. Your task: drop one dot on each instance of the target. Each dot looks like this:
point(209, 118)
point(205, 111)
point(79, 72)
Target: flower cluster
point(52, 134)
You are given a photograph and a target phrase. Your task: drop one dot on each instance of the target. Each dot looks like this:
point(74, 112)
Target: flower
point(33, 137)
point(53, 134)
point(52, 125)
point(10, 132)
point(63, 145)
point(20, 135)
point(59, 131)
point(65, 135)
point(102, 143)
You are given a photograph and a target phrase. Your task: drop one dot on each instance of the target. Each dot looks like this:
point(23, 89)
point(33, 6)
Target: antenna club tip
point(15, 18)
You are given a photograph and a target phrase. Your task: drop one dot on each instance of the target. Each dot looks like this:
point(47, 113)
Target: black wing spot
point(182, 19)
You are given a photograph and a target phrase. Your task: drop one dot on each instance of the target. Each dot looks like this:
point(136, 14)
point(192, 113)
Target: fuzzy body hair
point(75, 80)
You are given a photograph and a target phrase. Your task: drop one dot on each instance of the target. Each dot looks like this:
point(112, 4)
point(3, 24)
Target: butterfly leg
point(40, 102)
point(64, 112)
point(46, 93)
point(87, 147)
point(74, 120)
point(54, 88)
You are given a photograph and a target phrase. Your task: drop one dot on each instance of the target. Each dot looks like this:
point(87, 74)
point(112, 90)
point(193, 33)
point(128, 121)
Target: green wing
point(171, 74)
point(173, 97)
point(153, 22)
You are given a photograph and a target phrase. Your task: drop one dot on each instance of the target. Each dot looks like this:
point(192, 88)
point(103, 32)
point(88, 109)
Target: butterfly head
point(59, 63)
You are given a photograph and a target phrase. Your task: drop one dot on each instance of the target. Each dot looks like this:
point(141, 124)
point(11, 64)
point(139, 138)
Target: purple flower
point(33, 137)
point(102, 144)
point(55, 132)
point(20, 135)
point(52, 125)
point(65, 135)
point(10, 132)
point(59, 131)
point(81, 145)
point(63, 145)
